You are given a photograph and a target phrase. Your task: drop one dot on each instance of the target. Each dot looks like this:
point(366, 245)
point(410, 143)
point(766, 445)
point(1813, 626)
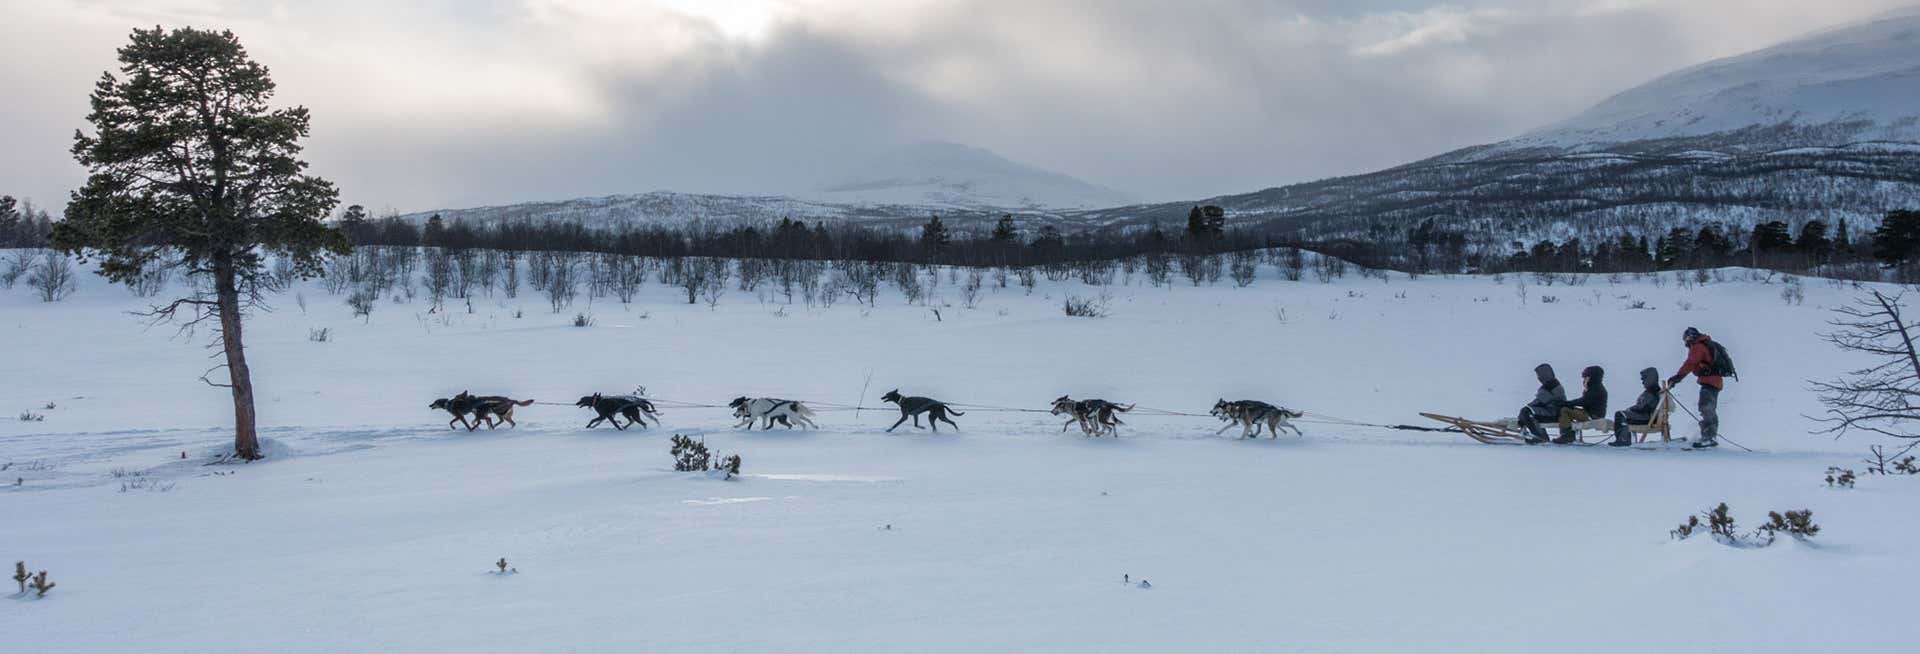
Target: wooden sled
point(1508, 432)
point(1489, 432)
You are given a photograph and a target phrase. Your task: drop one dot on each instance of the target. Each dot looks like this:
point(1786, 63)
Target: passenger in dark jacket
point(1592, 403)
point(1642, 410)
point(1546, 404)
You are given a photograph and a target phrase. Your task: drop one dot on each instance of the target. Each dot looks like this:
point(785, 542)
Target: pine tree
point(1196, 223)
point(434, 233)
point(1004, 231)
point(1767, 237)
point(1813, 241)
point(191, 169)
point(1898, 238)
point(933, 235)
point(354, 224)
point(9, 220)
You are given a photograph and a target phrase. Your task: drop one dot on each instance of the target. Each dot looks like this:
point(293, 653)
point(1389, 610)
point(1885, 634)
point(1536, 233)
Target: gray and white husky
point(912, 407)
point(1095, 417)
point(1251, 414)
point(768, 410)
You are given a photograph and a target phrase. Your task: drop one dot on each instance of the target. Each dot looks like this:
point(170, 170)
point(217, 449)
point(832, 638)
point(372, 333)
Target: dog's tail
point(527, 402)
point(802, 410)
point(952, 410)
point(1123, 409)
point(1290, 413)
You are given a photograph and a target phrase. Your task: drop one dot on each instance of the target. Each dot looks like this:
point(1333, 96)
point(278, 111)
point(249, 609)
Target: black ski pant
point(1621, 420)
point(1709, 413)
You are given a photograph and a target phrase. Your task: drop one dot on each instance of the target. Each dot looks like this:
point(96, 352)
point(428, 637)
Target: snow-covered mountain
point(1826, 126)
point(950, 174)
point(904, 185)
point(1856, 83)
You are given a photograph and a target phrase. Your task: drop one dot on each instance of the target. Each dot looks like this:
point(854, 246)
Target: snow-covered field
point(373, 528)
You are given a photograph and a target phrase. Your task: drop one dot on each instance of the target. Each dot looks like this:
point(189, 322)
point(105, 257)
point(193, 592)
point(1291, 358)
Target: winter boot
point(1705, 443)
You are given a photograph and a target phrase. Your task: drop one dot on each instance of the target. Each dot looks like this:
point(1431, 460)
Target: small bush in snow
point(1549, 299)
point(730, 465)
point(690, 455)
point(1798, 524)
point(1885, 463)
point(503, 569)
point(29, 416)
point(582, 320)
point(1838, 477)
point(1720, 524)
point(1085, 307)
point(52, 277)
point(1686, 529)
point(320, 335)
point(1792, 294)
point(40, 585)
point(20, 575)
point(362, 303)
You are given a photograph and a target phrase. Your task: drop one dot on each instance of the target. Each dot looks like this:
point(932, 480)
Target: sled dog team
point(1707, 361)
point(1095, 417)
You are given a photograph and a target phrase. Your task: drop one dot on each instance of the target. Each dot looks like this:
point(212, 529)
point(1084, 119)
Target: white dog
point(768, 410)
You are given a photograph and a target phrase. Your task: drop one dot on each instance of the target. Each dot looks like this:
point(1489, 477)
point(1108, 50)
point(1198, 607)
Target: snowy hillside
point(1856, 83)
point(904, 185)
point(373, 528)
point(950, 174)
point(1825, 126)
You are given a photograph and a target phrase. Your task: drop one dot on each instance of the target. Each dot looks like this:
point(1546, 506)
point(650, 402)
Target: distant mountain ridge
point(950, 174)
point(906, 184)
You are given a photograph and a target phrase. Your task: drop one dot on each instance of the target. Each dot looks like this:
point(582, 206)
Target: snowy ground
point(373, 528)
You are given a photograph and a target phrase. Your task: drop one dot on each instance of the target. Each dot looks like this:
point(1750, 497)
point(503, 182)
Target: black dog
point(610, 406)
point(912, 407)
point(458, 405)
point(489, 409)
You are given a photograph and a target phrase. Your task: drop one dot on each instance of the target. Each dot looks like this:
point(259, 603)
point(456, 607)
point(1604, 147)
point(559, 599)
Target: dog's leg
point(903, 418)
point(1226, 427)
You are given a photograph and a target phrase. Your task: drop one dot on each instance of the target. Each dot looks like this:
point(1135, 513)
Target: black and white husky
point(1251, 414)
point(1095, 417)
point(769, 410)
point(912, 407)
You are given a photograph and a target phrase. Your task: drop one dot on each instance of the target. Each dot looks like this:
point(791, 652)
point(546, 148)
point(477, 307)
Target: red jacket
point(1699, 361)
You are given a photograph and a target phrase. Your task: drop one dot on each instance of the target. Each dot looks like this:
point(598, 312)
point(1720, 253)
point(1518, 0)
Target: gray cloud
point(432, 104)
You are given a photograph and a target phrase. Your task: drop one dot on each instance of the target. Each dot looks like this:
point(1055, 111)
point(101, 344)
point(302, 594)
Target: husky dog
point(768, 410)
point(610, 407)
point(1095, 417)
point(1251, 414)
point(912, 407)
point(459, 406)
point(490, 409)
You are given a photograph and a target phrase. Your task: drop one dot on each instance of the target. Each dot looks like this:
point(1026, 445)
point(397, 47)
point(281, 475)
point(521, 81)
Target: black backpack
point(1722, 363)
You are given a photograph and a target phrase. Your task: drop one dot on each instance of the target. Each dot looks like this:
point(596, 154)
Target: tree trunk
point(246, 440)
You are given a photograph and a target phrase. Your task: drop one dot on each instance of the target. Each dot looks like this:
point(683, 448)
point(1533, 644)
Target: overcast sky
point(446, 103)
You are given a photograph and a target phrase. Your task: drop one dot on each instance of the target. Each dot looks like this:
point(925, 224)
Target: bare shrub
point(1086, 307)
point(51, 277)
